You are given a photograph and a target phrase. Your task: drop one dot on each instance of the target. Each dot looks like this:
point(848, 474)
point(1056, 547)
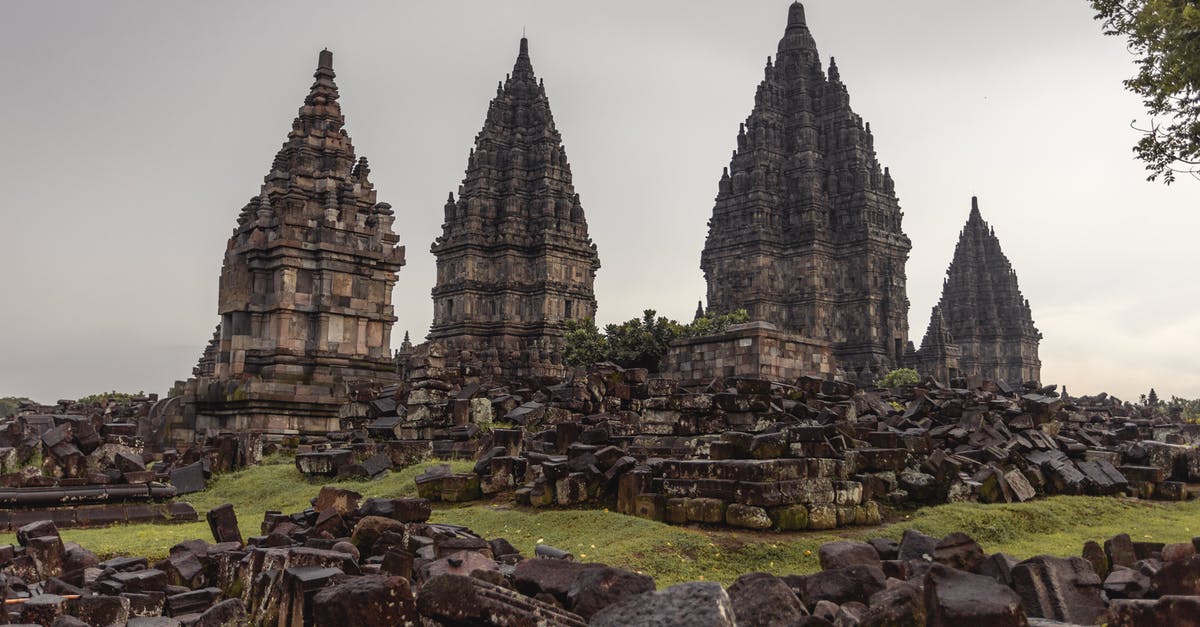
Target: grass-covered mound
point(1056, 526)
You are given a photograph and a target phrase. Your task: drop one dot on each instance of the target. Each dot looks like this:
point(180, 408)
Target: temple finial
point(796, 16)
point(834, 75)
point(326, 59)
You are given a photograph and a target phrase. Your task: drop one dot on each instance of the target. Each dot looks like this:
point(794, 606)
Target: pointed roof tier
point(306, 284)
point(983, 309)
point(514, 258)
point(806, 228)
point(518, 180)
point(314, 222)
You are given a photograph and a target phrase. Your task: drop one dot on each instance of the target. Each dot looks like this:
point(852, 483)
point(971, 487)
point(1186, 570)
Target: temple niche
point(983, 313)
point(514, 261)
point(806, 229)
point(305, 294)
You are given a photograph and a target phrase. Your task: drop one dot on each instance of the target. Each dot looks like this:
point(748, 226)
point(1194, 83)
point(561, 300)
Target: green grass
point(275, 485)
point(1056, 526)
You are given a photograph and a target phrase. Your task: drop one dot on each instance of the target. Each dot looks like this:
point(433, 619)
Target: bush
point(899, 377)
point(640, 342)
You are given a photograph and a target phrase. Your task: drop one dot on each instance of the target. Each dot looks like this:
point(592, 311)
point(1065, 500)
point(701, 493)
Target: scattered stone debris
point(379, 561)
point(93, 469)
point(751, 453)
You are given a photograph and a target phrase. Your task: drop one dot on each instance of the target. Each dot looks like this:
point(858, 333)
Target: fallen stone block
point(222, 521)
point(954, 598)
point(366, 601)
point(764, 599)
point(457, 599)
point(1063, 589)
point(694, 604)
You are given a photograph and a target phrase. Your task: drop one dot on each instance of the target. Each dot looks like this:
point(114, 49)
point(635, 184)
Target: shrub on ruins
point(1184, 409)
point(10, 404)
point(102, 399)
point(640, 342)
point(899, 377)
point(1162, 34)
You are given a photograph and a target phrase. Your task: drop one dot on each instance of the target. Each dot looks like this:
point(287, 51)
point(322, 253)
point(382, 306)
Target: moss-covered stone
point(747, 516)
point(790, 517)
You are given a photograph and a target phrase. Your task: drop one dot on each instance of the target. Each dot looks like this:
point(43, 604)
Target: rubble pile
point(81, 470)
point(751, 453)
point(369, 562)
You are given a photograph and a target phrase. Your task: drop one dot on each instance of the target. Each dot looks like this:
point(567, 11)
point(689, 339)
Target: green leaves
point(640, 342)
point(1165, 36)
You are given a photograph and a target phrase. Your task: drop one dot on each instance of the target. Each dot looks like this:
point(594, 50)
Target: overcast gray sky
point(134, 132)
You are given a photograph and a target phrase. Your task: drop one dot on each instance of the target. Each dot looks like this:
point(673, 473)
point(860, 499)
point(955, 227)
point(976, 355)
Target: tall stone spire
point(805, 232)
point(306, 285)
point(514, 260)
point(983, 311)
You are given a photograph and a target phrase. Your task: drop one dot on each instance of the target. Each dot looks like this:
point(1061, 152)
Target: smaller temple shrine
point(982, 325)
point(306, 287)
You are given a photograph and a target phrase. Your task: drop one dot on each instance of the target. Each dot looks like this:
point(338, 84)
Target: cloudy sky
point(134, 132)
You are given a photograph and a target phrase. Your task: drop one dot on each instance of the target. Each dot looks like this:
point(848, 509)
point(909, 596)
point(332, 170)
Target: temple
point(982, 312)
point(514, 260)
point(305, 293)
point(805, 233)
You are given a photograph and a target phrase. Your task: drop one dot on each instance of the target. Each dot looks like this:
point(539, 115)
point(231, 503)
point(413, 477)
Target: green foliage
point(9, 405)
point(583, 345)
point(1184, 409)
point(709, 324)
point(640, 342)
point(1164, 35)
point(898, 378)
point(103, 398)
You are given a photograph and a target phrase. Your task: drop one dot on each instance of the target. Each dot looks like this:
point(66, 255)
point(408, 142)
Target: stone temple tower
point(982, 311)
point(514, 260)
point(805, 232)
point(306, 284)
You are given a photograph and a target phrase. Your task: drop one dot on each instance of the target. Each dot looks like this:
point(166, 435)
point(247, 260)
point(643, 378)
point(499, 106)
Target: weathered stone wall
point(758, 350)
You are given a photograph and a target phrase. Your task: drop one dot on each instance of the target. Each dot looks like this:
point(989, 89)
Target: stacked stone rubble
point(379, 561)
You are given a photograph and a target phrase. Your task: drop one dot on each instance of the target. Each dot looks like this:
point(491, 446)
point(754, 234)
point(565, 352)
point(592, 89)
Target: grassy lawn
point(1057, 526)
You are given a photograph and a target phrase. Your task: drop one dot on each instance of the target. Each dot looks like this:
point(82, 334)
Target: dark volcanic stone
point(899, 605)
point(847, 553)
point(954, 598)
point(694, 604)
point(368, 601)
point(764, 599)
point(552, 576)
point(1064, 589)
point(838, 585)
point(1173, 611)
point(596, 588)
point(915, 545)
point(459, 600)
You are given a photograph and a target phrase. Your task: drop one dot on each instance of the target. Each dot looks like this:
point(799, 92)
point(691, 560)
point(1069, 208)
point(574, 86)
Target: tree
point(583, 345)
point(1165, 37)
